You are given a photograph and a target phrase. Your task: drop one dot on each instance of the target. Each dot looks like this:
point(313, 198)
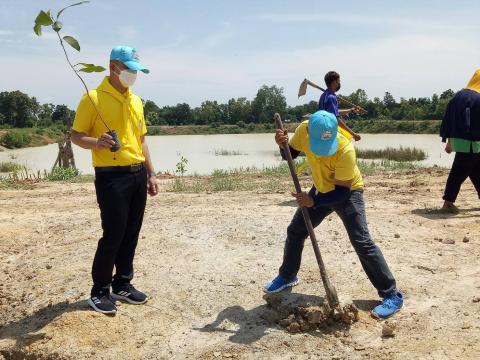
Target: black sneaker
point(102, 303)
point(129, 294)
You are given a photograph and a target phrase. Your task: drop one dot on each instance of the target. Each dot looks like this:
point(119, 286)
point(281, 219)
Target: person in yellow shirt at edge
point(338, 187)
point(122, 177)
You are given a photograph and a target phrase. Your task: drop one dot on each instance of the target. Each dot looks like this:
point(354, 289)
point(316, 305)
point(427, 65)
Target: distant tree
point(151, 112)
point(62, 114)
point(208, 113)
point(389, 101)
point(268, 101)
point(45, 114)
point(239, 110)
point(182, 114)
point(447, 94)
point(18, 108)
point(359, 97)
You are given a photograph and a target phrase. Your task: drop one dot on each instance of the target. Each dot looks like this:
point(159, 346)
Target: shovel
point(303, 90)
point(332, 297)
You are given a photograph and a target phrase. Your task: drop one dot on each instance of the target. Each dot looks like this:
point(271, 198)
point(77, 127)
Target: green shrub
point(16, 139)
point(10, 167)
point(62, 174)
point(153, 130)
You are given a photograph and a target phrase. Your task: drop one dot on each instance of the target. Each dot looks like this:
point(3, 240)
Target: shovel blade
point(303, 88)
point(332, 296)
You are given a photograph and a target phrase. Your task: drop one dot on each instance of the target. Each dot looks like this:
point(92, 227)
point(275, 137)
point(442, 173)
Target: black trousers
point(122, 198)
point(464, 165)
point(352, 213)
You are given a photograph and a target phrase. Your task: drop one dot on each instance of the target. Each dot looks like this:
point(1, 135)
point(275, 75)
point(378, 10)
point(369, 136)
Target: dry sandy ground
point(203, 258)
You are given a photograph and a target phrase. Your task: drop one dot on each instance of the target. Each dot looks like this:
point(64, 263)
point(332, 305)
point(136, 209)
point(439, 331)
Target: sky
point(222, 49)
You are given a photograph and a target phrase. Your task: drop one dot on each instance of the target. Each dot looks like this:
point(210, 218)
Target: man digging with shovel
point(338, 186)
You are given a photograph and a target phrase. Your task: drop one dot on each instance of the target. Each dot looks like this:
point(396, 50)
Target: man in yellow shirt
point(338, 187)
point(109, 121)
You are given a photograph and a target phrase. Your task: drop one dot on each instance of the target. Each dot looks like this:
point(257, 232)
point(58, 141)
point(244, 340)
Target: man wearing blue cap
point(338, 187)
point(110, 122)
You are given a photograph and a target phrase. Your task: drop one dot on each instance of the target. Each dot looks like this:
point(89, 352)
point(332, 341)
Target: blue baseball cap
point(128, 56)
point(322, 133)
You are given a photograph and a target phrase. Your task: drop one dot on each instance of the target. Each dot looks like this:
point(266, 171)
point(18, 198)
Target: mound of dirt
point(296, 313)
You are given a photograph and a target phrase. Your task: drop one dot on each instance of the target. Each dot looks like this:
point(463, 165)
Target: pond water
point(206, 153)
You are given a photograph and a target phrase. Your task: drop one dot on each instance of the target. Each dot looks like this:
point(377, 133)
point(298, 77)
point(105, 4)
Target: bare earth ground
point(203, 258)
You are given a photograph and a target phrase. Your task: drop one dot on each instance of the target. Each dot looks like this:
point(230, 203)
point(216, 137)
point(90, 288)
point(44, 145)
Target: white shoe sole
point(92, 305)
point(291, 284)
point(126, 299)
point(378, 317)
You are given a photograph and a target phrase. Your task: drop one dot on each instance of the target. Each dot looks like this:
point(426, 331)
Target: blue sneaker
point(280, 283)
point(389, 306)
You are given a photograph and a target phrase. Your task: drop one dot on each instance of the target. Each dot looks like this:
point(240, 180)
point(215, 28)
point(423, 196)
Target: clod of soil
point(388, 329)
point(448, 241)
point(296, 313)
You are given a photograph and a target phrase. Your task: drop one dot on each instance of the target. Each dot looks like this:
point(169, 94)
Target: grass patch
point(7, 167)
point(269, 179)
point(213, 129)
point(62, 174)
point(382, 166)
point(13, 184)
point(272, 179)
point(401, 154)
point(375, 126)
point(224, 152)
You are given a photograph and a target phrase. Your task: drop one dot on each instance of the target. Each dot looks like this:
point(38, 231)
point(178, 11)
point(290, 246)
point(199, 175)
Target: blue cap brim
point(134, 65)
point(324, 147)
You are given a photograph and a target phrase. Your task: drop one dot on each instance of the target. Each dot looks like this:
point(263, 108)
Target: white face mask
point(127, 77)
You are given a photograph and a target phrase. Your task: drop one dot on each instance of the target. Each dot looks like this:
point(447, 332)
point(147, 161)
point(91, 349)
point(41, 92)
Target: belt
point(126, 169)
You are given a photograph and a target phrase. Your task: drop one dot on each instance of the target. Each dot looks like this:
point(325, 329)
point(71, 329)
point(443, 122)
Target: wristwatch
point(153, 173)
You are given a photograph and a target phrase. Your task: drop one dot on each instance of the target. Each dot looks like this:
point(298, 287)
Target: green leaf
point(38, 29)
point(72, 42)
point(79, 3)
point(89, 68)
point(57, 26)
point(43, 19)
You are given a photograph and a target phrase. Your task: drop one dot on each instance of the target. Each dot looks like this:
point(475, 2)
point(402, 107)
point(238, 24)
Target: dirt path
point(203, 258)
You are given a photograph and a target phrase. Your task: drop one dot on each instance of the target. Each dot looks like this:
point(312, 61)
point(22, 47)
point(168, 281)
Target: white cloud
point(127, 33)
point(217, 38)
point(405, 23)
point(405, 65)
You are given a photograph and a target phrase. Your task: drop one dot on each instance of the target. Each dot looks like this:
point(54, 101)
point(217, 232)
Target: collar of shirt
point(107, 87)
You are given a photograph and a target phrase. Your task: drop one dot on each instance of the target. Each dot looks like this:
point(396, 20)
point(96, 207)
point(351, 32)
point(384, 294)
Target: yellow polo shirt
point(121, 112)
point(326, 169)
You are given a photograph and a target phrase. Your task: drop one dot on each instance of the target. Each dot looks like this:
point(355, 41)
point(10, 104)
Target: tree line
point(18, 110)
